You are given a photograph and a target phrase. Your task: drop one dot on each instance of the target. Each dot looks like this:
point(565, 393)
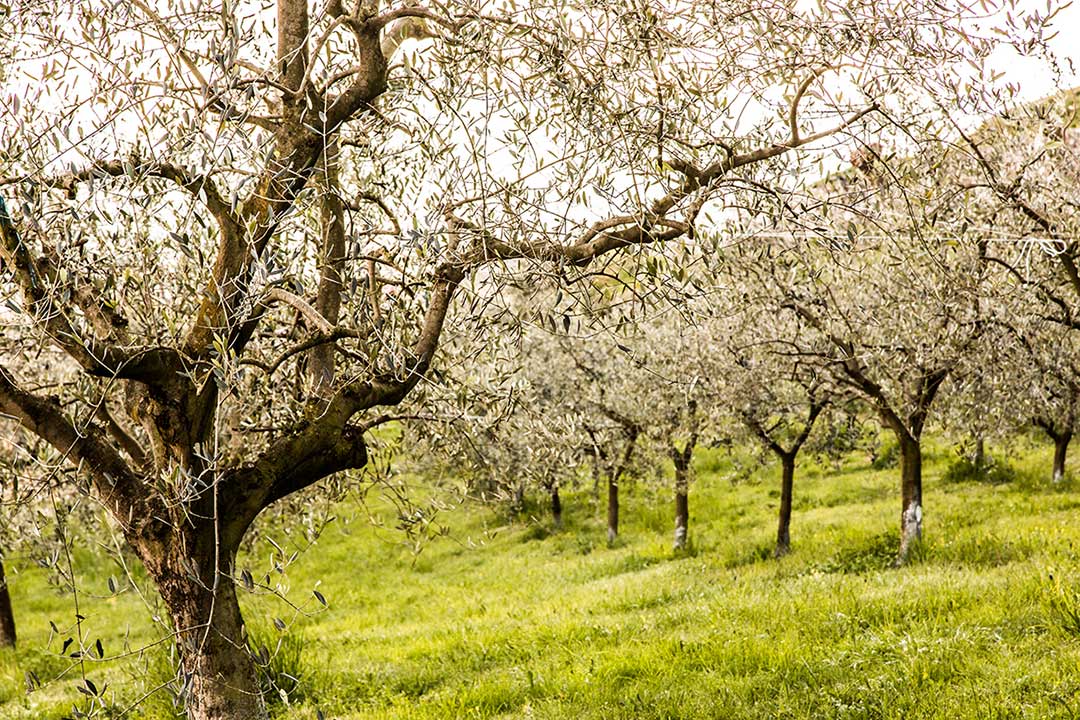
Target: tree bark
point(7, 617)
point(682, 459)
point(911, 514)
point(556, 506)
point(217, 669)
point(682, 517)
point(787, 463)
point(787, 491)
point(613, 483)
point(1061, 451)
point(332, 262)
point(612, 509)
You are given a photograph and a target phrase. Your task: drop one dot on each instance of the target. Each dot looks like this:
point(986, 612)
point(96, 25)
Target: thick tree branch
point(117, 486)
point(38, 281)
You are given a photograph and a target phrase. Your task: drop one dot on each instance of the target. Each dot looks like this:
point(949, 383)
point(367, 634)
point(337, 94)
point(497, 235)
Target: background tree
point(896, 306)
point(777, 396)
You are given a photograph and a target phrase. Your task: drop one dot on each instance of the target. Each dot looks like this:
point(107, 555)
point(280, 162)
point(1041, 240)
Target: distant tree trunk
point(1061, 432)
point(1061, 451)
point(980, 455)
point(7, 617)
point(682, 517)
point(613, 483)
point(787, 491)
point(911, 513)
point(787, 463)
point(556, 506)
point(612, 509)
point(682, 460)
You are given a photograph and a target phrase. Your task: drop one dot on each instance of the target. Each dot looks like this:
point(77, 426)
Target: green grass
point(510, 620)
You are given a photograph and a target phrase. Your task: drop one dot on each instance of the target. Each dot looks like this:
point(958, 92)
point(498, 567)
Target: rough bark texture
point(1061, 451)
point(7, 617)
point(218, 672)
point(911, 513)
point(332, 264)
point(556, 507)
point(787, 491)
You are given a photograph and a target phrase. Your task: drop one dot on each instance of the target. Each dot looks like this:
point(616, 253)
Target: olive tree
point(893, 299)
point(771, 389)
point(253, 219)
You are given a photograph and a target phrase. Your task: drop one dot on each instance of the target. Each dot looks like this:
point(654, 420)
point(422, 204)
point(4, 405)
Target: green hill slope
point(509, 621)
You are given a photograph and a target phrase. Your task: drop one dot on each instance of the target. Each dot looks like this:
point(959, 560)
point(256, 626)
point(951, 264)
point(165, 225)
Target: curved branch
point(119, 488)
point(37, 281)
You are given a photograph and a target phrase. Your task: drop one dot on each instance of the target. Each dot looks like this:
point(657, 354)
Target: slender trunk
point(613, 484)
point(7, 617)
point(980, 455)
point(217, 669)
point(682, 518)
point(911, 514)
point(1061, 451)
point(612, 509)
point(682, 499)
point(787, 488)
point(556, 506)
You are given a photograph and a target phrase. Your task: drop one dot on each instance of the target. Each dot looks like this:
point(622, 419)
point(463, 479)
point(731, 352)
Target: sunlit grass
point(509, 620)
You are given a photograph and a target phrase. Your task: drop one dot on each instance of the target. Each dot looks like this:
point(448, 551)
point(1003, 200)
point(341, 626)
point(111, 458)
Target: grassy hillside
point(511, 621)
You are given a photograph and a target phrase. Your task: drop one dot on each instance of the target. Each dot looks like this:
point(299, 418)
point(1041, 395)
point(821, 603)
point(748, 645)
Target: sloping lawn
point(511, 620)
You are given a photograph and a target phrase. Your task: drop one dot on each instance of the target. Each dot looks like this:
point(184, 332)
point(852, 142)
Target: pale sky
point(1031, 74)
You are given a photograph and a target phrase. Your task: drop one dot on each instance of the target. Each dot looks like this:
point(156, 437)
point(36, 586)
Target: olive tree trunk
point(787, 457)
point(682, 460)
point(217, 670)
point(1061, 452)
point(7, 617)
point(613, 482)
point(911, 513)
point(612, 509)
point(787, 491)
point(556, 506)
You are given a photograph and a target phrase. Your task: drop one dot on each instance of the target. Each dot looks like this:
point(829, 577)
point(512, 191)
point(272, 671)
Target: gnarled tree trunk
point(7, 617)
point(216, 668)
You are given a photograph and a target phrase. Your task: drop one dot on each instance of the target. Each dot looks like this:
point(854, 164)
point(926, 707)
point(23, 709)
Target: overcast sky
point(1034, 80)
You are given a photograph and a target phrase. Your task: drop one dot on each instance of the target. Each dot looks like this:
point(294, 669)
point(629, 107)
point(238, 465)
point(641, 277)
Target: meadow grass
point(510, 619)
